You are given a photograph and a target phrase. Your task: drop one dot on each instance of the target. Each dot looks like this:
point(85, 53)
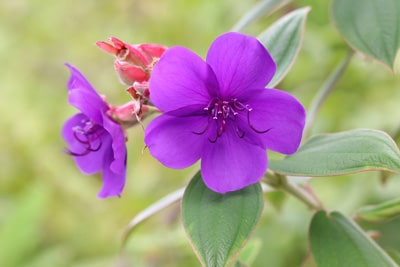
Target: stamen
point(240, 133)
point(222, 111)
point(213, 141)
point(252, 127)
point(69, 152)
point(238, 105)
point(220, 128)
point(99, 144)
point(204, 130)
point(89, 136)
point(78, 131)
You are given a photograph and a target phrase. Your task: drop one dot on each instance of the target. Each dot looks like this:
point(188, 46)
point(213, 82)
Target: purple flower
point(220, 112)
point(96, 142)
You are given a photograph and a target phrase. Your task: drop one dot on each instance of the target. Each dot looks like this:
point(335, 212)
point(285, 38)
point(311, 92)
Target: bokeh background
point(49, 212)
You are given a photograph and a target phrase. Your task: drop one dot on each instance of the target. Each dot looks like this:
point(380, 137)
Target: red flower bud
point(133, 63)
point(129, 114)
point(129, 74)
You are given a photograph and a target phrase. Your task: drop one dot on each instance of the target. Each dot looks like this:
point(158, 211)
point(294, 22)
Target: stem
point(150, 211)
point(152, 109)
point(324, 92)
point(279, 181)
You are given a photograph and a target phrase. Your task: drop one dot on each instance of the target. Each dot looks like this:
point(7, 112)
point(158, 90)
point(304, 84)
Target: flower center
point(221, 111)
point(88, 134)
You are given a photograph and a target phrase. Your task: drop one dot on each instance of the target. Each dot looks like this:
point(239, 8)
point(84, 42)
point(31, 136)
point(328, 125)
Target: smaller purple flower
point(219, 111)
point(96, 142)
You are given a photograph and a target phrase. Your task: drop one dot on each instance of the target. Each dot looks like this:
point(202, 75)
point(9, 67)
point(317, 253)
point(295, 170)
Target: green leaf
point(384, 211)
point(336, 241)
point(370, 26)
point(262, 8)
point(219, 225)
point(283, 40)
point(394, 254)
point(341, 153)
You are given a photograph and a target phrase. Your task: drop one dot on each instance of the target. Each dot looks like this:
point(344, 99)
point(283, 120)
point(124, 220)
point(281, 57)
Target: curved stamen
point(211, 103)
point(89, 137)
point(220, 127)
point(216, 111)
point(213, 140)
point(239, 106)
point(78, 132)
point(71, 153)
point(99, 143)
point(252, 127)
point(87, 150)
point(221, 111)
point(240, 133)
point(204, 130)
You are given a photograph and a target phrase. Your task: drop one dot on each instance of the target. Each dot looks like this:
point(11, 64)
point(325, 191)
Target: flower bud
point(133, 63)
point(129, 74)
point(129, 114)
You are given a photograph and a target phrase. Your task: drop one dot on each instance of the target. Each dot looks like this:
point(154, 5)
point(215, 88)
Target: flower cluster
point(134, 63)
point(217, 111)
point(96, 136)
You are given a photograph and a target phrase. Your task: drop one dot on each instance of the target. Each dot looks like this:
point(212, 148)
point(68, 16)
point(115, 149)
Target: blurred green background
point(49, 212)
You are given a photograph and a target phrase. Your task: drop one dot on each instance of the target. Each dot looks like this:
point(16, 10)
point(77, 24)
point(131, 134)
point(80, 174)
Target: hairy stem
point(324, 92)
point(152, 109)
point(281, 182)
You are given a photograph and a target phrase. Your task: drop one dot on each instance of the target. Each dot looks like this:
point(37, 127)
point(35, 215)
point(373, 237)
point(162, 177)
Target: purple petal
point(88, 103)
point(240, 62)
point(181, 78)
point(92, 162)
point(231, 163)
point(113, 183)
point(118, 164)
point(78, 81)
point(171, 140)
point(84, 97)
point(283, 114)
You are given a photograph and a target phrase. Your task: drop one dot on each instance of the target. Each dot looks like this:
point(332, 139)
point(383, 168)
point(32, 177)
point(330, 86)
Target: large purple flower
point(96, 142)
point(219, 111)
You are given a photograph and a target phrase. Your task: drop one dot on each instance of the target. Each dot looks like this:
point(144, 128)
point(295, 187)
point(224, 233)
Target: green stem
point(154, 208)
point(324, 92)
point(152, 109)
point(279, 181)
